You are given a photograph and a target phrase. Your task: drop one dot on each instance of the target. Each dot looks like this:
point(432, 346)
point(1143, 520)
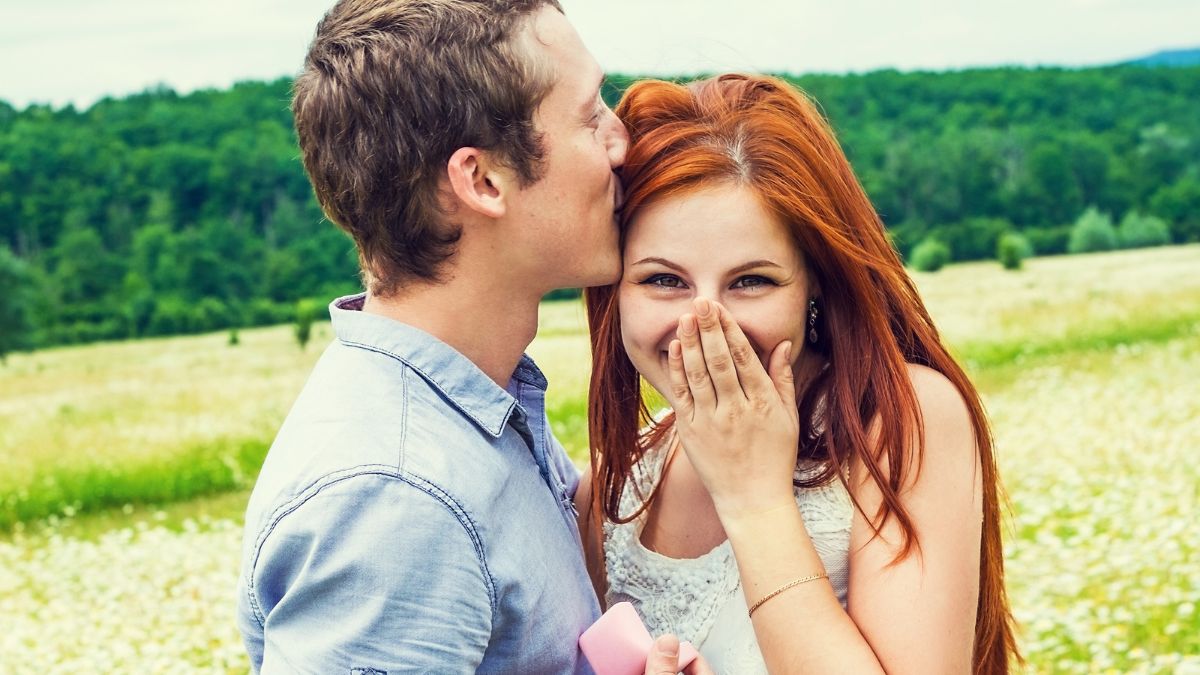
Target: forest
point(162, 213)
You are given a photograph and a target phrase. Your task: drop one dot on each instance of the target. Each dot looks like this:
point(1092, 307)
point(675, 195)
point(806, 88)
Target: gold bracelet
point(791, 584)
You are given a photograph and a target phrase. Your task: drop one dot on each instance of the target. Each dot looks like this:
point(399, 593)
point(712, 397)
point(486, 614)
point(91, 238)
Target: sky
point(77, 51)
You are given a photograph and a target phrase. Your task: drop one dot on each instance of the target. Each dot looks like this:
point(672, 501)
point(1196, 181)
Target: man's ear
point(479, 182)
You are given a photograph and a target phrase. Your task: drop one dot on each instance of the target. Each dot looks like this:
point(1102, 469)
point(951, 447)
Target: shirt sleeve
point(372, 571)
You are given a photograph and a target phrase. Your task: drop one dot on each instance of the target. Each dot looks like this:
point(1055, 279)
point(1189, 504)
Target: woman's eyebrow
point(753, 264)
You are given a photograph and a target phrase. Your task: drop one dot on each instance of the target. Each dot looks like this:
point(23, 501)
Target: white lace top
point(700, 599)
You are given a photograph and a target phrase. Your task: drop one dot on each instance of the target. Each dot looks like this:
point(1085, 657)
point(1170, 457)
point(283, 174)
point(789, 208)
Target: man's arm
point(372, 571)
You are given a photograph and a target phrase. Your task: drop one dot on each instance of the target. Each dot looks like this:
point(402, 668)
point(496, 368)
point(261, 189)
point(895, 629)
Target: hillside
point(162, 213)
point(1170, 57)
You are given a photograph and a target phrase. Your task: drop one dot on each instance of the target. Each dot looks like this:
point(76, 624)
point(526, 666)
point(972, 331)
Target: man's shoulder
point(360, 411)
point(371, 406)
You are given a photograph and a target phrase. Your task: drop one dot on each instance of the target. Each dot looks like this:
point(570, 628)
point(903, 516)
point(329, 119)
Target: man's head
point(393, 89)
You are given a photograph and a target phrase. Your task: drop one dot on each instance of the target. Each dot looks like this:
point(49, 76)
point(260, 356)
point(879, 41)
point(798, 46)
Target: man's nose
point(618, 143)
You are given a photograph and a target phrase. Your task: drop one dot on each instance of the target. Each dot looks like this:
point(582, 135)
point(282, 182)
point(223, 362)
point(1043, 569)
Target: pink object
point(619, 644)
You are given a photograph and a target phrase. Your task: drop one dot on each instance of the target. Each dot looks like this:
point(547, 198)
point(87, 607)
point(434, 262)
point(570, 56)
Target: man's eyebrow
point(589, 106)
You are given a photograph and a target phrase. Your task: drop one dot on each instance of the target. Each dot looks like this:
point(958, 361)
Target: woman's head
point(736, 189)
point(720, 242)
point(729, 171)
point(739, 170)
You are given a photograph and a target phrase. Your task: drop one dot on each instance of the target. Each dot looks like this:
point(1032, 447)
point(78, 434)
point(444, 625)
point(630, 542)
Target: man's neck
point(485, 322)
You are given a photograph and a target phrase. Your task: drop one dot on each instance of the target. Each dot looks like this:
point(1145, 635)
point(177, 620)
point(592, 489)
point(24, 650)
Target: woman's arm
point(930, 597)
point(914, 616)
point(591, 535)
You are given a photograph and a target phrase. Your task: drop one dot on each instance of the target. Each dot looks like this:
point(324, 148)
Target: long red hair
point(762, 133)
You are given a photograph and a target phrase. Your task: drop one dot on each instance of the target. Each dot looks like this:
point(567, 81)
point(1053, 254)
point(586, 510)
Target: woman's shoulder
point(942, 406)
point(948, 441)
point(932, 385)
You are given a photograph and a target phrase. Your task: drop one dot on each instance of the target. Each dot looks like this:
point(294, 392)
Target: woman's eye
point(752, 282)
point(664, 281)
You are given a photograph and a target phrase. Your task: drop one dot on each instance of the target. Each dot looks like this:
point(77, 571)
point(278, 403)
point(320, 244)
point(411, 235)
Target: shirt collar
point(458, 378)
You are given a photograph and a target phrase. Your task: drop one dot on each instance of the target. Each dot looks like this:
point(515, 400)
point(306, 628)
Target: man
point(414, 513)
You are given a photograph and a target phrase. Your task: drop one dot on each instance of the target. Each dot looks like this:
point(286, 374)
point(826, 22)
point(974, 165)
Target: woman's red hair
point(761, 133)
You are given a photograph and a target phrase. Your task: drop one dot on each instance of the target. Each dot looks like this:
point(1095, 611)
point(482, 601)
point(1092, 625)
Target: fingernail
point(687, 324)
point(787, 351)
point(702, 307)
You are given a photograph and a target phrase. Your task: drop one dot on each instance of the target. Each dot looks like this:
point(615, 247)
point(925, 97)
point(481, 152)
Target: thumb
point(664, 656)
point(780, 368)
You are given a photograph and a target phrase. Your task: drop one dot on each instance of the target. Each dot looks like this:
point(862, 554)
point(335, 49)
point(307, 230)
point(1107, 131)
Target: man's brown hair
point(390, 90)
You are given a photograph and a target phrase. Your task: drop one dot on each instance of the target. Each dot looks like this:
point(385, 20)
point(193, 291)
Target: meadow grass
point(1097, 452)
point(85, 428)
point(1087, 365)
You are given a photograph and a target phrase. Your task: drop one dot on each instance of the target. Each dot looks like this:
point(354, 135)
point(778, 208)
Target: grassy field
point(124, 468)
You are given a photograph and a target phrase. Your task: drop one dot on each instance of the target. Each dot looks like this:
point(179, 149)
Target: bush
point(306, 311)
point(907, 235)
point(139, 311)
point(171, 316)
point(208, 314)
point(1093, 231)
point(1138, 231)
point(83, 332)
point(1048, 240)
point(971, 239)
point(930, 255)
point(263, 312)
point(1012, 249)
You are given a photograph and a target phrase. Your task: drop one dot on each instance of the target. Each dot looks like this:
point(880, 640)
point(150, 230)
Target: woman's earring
point(812, 322)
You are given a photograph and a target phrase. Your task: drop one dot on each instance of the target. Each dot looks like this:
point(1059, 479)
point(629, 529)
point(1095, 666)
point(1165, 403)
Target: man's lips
point(618, 194)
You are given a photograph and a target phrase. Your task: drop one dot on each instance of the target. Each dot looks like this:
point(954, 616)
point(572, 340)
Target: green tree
point(1138, 231)
point(306, 312)
point(930, 255)
point(1161, 157)
point(198, 197)
point(1179, 203)
point(1093, 231)
point(973, 238)
point(84, 271)
point(1050, 193)
point(16, 303)
point(1012, 249)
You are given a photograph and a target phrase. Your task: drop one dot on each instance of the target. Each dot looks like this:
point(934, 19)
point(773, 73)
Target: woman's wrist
point(763, 514)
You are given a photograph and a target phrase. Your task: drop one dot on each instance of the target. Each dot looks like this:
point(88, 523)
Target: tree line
point(161, 213)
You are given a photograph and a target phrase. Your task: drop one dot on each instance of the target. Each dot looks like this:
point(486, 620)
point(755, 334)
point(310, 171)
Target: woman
point(822, 496)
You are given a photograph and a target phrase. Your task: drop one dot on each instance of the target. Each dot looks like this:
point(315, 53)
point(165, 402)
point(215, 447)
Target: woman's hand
point(737, 423)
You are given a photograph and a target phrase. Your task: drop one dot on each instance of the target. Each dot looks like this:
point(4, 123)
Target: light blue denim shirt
point(413, 517)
